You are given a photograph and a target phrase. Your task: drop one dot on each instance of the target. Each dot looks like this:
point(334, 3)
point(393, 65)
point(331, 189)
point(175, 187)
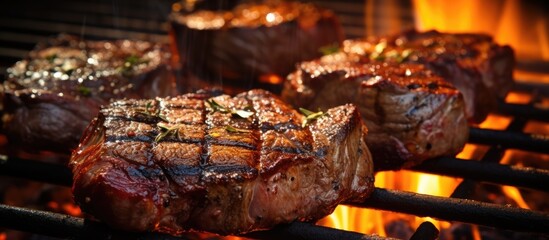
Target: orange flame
point(523, 26)
point(509, 23)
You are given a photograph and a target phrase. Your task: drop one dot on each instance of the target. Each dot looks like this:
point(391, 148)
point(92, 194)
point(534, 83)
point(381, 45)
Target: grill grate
point(25, 22)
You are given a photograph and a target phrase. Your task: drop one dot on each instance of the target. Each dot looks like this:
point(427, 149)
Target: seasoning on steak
point(254, 44)
point(481, 69)
point(52, 95)
point(221, 164)
point(411, 114)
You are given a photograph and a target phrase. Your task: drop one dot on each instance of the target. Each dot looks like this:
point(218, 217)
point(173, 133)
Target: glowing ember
point(271, 79)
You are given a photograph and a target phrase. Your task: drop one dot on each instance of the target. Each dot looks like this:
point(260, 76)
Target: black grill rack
point(25, 22)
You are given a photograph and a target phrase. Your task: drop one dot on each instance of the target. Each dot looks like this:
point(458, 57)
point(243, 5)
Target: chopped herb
point(243, 113)
point(405, 55)
point(84, 91)
point(129, 63)
point(377, 54)
point(148, 106)
point(167, 131)
point(51, 58)
point(216, 106)
point(310, 116)
point(380, 47)
point(329, 49)
point(69, 71)
point(132, 60)
point(149, 112)
point(232, 129)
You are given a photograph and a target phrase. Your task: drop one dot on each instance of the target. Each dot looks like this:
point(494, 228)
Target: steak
point(411, 113)
point(251, 45)
point(219, 164)
point(52, 95)
point(481, 69)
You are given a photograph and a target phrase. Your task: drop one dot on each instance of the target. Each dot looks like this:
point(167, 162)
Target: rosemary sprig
point(84, 91)
point(232, 129)
point(51, 57)
point(129, 63)
point(310, 116)
point(148, 112)
point(404, 55)
point(243, 113)
point(166, 130)
point(329, 49)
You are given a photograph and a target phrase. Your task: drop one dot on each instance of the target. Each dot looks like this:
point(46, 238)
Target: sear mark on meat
point(411, 114)
point(51, 96)
point(269, 172)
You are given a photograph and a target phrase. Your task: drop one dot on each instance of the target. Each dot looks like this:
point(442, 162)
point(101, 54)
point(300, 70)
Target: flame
point(476, 233)
point(520, 24)
point(373, 221)
point(271, 79)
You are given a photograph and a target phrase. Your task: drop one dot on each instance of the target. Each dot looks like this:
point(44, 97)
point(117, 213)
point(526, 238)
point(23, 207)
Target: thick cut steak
point(411, 114)
point(478, 67)
point(221, 164)
point(52, 95)
point(254, 44)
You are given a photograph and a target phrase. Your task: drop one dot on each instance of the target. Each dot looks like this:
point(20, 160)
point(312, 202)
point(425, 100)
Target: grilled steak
point(52, 95)
point(251, 45)
point(221, 164)
point(411, 113)
point(481, 69)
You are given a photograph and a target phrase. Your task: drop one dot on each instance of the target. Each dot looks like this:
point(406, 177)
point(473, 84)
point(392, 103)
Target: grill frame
point(125, 19)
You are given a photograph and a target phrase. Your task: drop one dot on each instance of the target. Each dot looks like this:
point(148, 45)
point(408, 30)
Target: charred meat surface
point(219, 164)
point(52, 95)
point(478, 67)
point(411, 114)
point(252, 44)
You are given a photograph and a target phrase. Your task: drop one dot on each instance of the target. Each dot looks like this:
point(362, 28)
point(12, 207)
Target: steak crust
point(189, 163)
point(251, 45)
point(52, 95)
point(478, 67)
point(412, 114)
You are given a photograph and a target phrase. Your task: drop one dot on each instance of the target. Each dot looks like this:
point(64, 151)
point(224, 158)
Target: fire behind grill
point(24, 23)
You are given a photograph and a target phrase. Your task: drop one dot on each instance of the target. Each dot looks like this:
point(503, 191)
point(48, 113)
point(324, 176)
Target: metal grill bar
point(487, 172)
point(494, 155)
point(526, 111)
point(60, 225)
point(509, 139)
point(461, 210)
point(35, 170)
point(417, 204)
point(425, 231)
point(481, 171)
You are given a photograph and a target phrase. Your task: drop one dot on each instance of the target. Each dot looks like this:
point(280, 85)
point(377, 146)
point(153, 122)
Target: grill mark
point(137, 138)
point(204, 157)
point(147, 172)
point(171, 183)
point(256, 132)
point(290, 150)
point(217, 142)
point(149, 139)
point(151, 121)
point(184, 170)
